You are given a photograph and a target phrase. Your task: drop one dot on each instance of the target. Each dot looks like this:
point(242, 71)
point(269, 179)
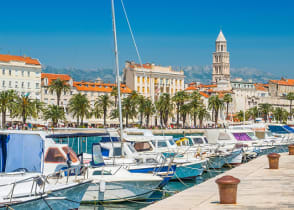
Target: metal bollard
point(291, 149)
point(227, 186)
point(273, 159)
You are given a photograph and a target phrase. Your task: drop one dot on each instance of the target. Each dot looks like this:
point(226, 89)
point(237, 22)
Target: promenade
point(260, 188)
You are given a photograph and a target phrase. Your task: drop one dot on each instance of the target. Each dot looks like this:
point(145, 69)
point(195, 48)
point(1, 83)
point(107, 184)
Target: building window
point(22, 73)
point(29, 73)
point(9, 72)
point(222, 48)
point(9, 83)
point(46, 91)
point(138, 79)
point(3, 71)
point(29, 85)
point(16, 84)
point(3, 83)
point(37, 85)
point(22, 85)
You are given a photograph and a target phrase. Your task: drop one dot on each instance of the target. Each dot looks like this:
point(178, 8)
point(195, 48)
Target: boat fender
point(102, 186)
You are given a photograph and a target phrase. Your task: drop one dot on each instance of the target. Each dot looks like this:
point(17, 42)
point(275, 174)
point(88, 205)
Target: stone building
point(221, 60)
point(22, 74)
point(281, 87)
point(152, 80)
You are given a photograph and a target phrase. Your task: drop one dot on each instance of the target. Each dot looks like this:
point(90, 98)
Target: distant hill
point(193, 73)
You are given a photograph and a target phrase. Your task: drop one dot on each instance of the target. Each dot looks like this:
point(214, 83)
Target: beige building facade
point(151, 80)
point(22, 74)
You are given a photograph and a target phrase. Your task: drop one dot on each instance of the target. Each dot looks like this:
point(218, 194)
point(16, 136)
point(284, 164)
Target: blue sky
point(65, 33)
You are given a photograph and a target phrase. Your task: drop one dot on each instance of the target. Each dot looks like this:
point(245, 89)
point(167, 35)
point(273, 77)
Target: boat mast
point(117, 68)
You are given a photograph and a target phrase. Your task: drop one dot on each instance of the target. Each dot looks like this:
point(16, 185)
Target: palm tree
point(103, 102)
point(141, 108)
point(79, 106)
point(216, 105)
point(25, 107)
point(290, 97)
point(228, 99)
point(240, 116)
point(6, 100)
point(149, 110)
point(202, 114)
point(185, 110)
point(179, 98)
point(57, 86)
point(280, 114)
point(114, 93)
point(165, 108)
point(54, 113)
point(129, 108)
point(194, 104)
point(265, 110)
point(253, 113)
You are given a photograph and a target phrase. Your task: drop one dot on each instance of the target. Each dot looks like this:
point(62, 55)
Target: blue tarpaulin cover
point(24, 151)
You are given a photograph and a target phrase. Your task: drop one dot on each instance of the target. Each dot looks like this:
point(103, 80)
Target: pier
point(260, 188)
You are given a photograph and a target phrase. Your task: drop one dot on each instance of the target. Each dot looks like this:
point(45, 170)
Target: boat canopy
point(21, 152)
point(280, 129)
point(71, 135)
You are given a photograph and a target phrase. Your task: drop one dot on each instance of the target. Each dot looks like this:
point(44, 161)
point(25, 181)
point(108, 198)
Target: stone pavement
point(260, 188)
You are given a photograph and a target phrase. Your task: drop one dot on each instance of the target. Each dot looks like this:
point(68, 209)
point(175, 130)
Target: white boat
point(22, 179)
point(116, 184)
point(188, 165)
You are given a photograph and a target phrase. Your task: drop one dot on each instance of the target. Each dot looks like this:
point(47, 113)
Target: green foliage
point(79, 107)
point(54, 113)
point(7, 99)
point(216, 105)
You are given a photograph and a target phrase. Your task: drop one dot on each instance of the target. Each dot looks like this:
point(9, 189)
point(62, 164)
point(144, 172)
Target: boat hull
point(67, 198)
point(120, 191)
point(189, 170)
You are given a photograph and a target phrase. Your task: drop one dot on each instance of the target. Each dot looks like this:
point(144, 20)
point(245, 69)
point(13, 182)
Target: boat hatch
point(242, 136)
point(101, 172)
point(224, 136)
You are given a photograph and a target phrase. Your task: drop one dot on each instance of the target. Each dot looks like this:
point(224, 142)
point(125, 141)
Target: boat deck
point(260, 188)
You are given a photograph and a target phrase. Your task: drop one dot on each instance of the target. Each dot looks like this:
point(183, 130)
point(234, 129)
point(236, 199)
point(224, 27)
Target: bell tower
point(221, 60)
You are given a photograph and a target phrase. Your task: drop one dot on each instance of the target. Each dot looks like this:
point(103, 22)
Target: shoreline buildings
point(152, 80)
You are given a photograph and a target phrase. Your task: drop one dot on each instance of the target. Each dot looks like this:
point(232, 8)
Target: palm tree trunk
point(127, 120)
point(141, 119)
point(195, 115)
point(78, 120)
point(216, 117)
point(178, 115)
point(58, 100)
point(156, 121)
point(184, 120)
point(290, 109)
point(115, 101)
point(82, 120)
point(201, 122)
point(227, 110)
point(147, 120)
point(3, 118)
point(104, 116)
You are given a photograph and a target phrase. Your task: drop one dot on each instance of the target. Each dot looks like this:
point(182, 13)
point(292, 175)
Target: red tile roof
point(51, 77)
point(204, 94)
point(99, 87)
point(288, 82)
point(27, 60)
point(261, 87)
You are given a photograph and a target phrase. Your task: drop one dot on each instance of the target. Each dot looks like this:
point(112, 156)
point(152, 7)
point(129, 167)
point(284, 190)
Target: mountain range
point(193, 74)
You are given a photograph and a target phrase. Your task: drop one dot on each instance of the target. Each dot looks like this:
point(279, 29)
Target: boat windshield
point(160, 143)
point(117, 151)
point(142, 146)
point(53, 155)
point(269, 134)
point(197, 140)
point(72, 154)
point(131, 148)
point(171, 141)
point(205, 139)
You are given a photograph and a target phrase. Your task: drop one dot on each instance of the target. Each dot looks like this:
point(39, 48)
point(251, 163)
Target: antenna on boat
point(117, 68)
